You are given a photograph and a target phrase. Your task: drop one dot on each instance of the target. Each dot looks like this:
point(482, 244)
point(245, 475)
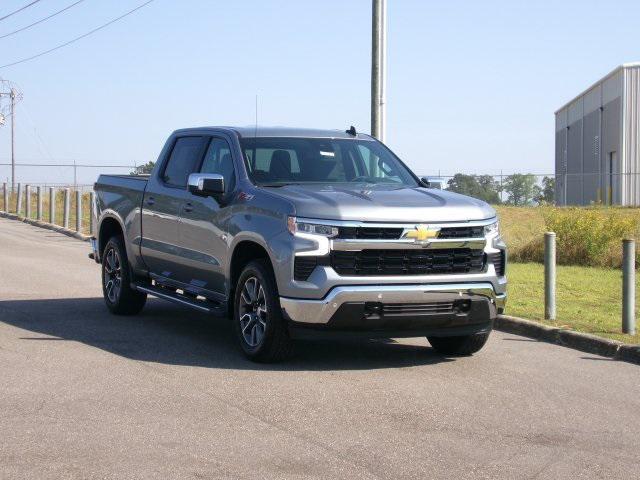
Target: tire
point(459, 346)
point(258, 322)
point(118, 295)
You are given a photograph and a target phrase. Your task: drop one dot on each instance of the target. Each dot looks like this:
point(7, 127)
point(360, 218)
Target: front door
point(203, 225)
point(163, 200)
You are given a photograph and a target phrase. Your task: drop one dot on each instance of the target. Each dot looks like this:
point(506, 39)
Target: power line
point(41, 20)
point(77, 38)
point(19, 10)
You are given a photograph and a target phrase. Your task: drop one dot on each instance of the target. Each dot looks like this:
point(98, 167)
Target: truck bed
point(123, 194)
point(130, 182)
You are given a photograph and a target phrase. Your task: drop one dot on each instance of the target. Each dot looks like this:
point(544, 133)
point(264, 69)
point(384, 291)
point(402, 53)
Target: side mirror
point(206, 184)
point(434, 182)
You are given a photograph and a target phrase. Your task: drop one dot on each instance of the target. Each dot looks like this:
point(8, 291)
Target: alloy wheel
point(253, 312)
point(112, 275)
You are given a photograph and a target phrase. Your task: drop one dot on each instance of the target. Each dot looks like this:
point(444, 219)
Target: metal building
point(598, 142)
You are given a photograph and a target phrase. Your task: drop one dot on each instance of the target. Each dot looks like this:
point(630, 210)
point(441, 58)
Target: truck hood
point(382, 203)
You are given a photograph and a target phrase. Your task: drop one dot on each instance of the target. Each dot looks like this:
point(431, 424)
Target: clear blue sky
point(472, 86)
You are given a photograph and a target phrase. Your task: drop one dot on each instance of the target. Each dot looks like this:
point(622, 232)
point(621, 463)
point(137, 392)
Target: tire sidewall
point(258, 270)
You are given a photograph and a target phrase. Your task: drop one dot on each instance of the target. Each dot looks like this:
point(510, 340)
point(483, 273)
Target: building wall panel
point(611, 148)
point(594, 160)
point(631, 137)
point(561, 166)
point(591, 158)
point(574, 163)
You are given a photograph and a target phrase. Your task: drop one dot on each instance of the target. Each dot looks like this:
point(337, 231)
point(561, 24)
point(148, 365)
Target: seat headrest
point(280, 166)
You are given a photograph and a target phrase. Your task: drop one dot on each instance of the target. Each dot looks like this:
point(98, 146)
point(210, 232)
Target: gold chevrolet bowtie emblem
point(422, 233)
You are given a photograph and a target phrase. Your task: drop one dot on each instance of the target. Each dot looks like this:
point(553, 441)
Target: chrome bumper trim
point(321, 311)
point(351, 245)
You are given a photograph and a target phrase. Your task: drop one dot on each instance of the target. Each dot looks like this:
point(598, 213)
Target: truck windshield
point(276, 161)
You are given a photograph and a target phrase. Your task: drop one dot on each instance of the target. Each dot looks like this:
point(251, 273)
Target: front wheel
point(119, 297)
point(461, 345)
point(260, 327)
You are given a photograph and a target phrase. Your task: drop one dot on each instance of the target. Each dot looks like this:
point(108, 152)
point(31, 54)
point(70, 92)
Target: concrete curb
point(568, 338)
point(48, 226)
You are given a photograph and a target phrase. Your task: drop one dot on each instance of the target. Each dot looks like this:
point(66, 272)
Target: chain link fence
point(521, 189)
point(74, 175)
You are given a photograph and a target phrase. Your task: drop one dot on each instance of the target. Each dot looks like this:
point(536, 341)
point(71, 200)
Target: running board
point(200, 305)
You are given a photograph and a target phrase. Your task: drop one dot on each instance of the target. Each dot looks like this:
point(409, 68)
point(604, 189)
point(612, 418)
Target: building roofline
point(595, 84)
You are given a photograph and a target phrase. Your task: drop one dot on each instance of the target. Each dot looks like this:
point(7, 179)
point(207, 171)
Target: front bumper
point(445, 307)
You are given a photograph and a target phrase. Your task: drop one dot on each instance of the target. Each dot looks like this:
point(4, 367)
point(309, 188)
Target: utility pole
point(8, 90)
point(378, 68)
point(12, 95)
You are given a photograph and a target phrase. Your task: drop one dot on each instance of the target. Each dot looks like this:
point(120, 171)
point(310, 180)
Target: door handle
point(188, 207)
point(151, 201)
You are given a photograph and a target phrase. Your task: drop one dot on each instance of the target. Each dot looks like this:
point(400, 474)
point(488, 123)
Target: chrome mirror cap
point(206, 184)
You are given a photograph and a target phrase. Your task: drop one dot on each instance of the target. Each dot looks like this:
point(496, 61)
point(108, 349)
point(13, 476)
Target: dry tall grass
point(590, 236)
point(59, 208)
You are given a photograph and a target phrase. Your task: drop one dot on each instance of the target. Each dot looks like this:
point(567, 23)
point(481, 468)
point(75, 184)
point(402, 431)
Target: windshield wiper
point(277, 185)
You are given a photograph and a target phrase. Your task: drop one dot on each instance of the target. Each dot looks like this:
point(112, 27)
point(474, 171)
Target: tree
point(483, 187)
point(144, 169)
point(548, 192)
point(521, 188)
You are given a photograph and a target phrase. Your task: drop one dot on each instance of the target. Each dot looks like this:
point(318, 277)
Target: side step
point(205, 306)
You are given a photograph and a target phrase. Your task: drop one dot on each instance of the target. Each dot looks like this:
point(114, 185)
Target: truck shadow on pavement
point(168, 334)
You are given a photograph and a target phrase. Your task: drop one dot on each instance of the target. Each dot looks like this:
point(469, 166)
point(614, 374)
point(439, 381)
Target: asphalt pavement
point(167, 394)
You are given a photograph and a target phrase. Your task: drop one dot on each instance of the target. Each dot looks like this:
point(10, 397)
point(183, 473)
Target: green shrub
point(586, 236)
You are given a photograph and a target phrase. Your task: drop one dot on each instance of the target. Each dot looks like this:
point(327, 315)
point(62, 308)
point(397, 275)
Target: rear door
point(203, 224)
point(163, 200)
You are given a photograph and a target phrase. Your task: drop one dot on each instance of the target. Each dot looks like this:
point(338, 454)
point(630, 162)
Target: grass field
point(589, 299)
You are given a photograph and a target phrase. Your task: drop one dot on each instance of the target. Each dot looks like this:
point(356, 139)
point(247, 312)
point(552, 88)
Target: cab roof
point(252, 131)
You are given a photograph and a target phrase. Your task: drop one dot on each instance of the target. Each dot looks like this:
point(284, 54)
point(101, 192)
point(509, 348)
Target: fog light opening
point(462, 306)
point(372, 308)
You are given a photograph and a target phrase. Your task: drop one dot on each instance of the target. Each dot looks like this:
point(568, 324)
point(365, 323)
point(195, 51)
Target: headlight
point(492, 229)
point(298, 226)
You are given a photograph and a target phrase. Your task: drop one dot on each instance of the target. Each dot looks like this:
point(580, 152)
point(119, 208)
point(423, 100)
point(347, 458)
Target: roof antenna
point(352, 131)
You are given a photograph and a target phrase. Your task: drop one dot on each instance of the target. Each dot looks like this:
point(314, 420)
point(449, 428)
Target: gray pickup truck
point(300, 233)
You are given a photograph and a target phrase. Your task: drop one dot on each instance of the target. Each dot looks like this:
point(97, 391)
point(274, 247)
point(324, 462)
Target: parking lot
point(166, 394)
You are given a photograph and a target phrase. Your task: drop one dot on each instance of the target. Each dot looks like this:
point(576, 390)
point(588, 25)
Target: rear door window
point(183, 161)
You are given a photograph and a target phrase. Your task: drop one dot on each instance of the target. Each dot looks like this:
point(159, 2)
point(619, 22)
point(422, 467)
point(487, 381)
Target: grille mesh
point(407, 262)
point(403, 309)
point(372, 233)
point(393, 233)
point(461, 232)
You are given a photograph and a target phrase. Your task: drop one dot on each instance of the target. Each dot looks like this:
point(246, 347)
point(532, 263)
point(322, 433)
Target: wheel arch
point(110, 225)
point(244, 251)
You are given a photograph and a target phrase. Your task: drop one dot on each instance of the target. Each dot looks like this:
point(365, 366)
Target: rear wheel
point(119, 297)
point(461, 345)
point(260, 327)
